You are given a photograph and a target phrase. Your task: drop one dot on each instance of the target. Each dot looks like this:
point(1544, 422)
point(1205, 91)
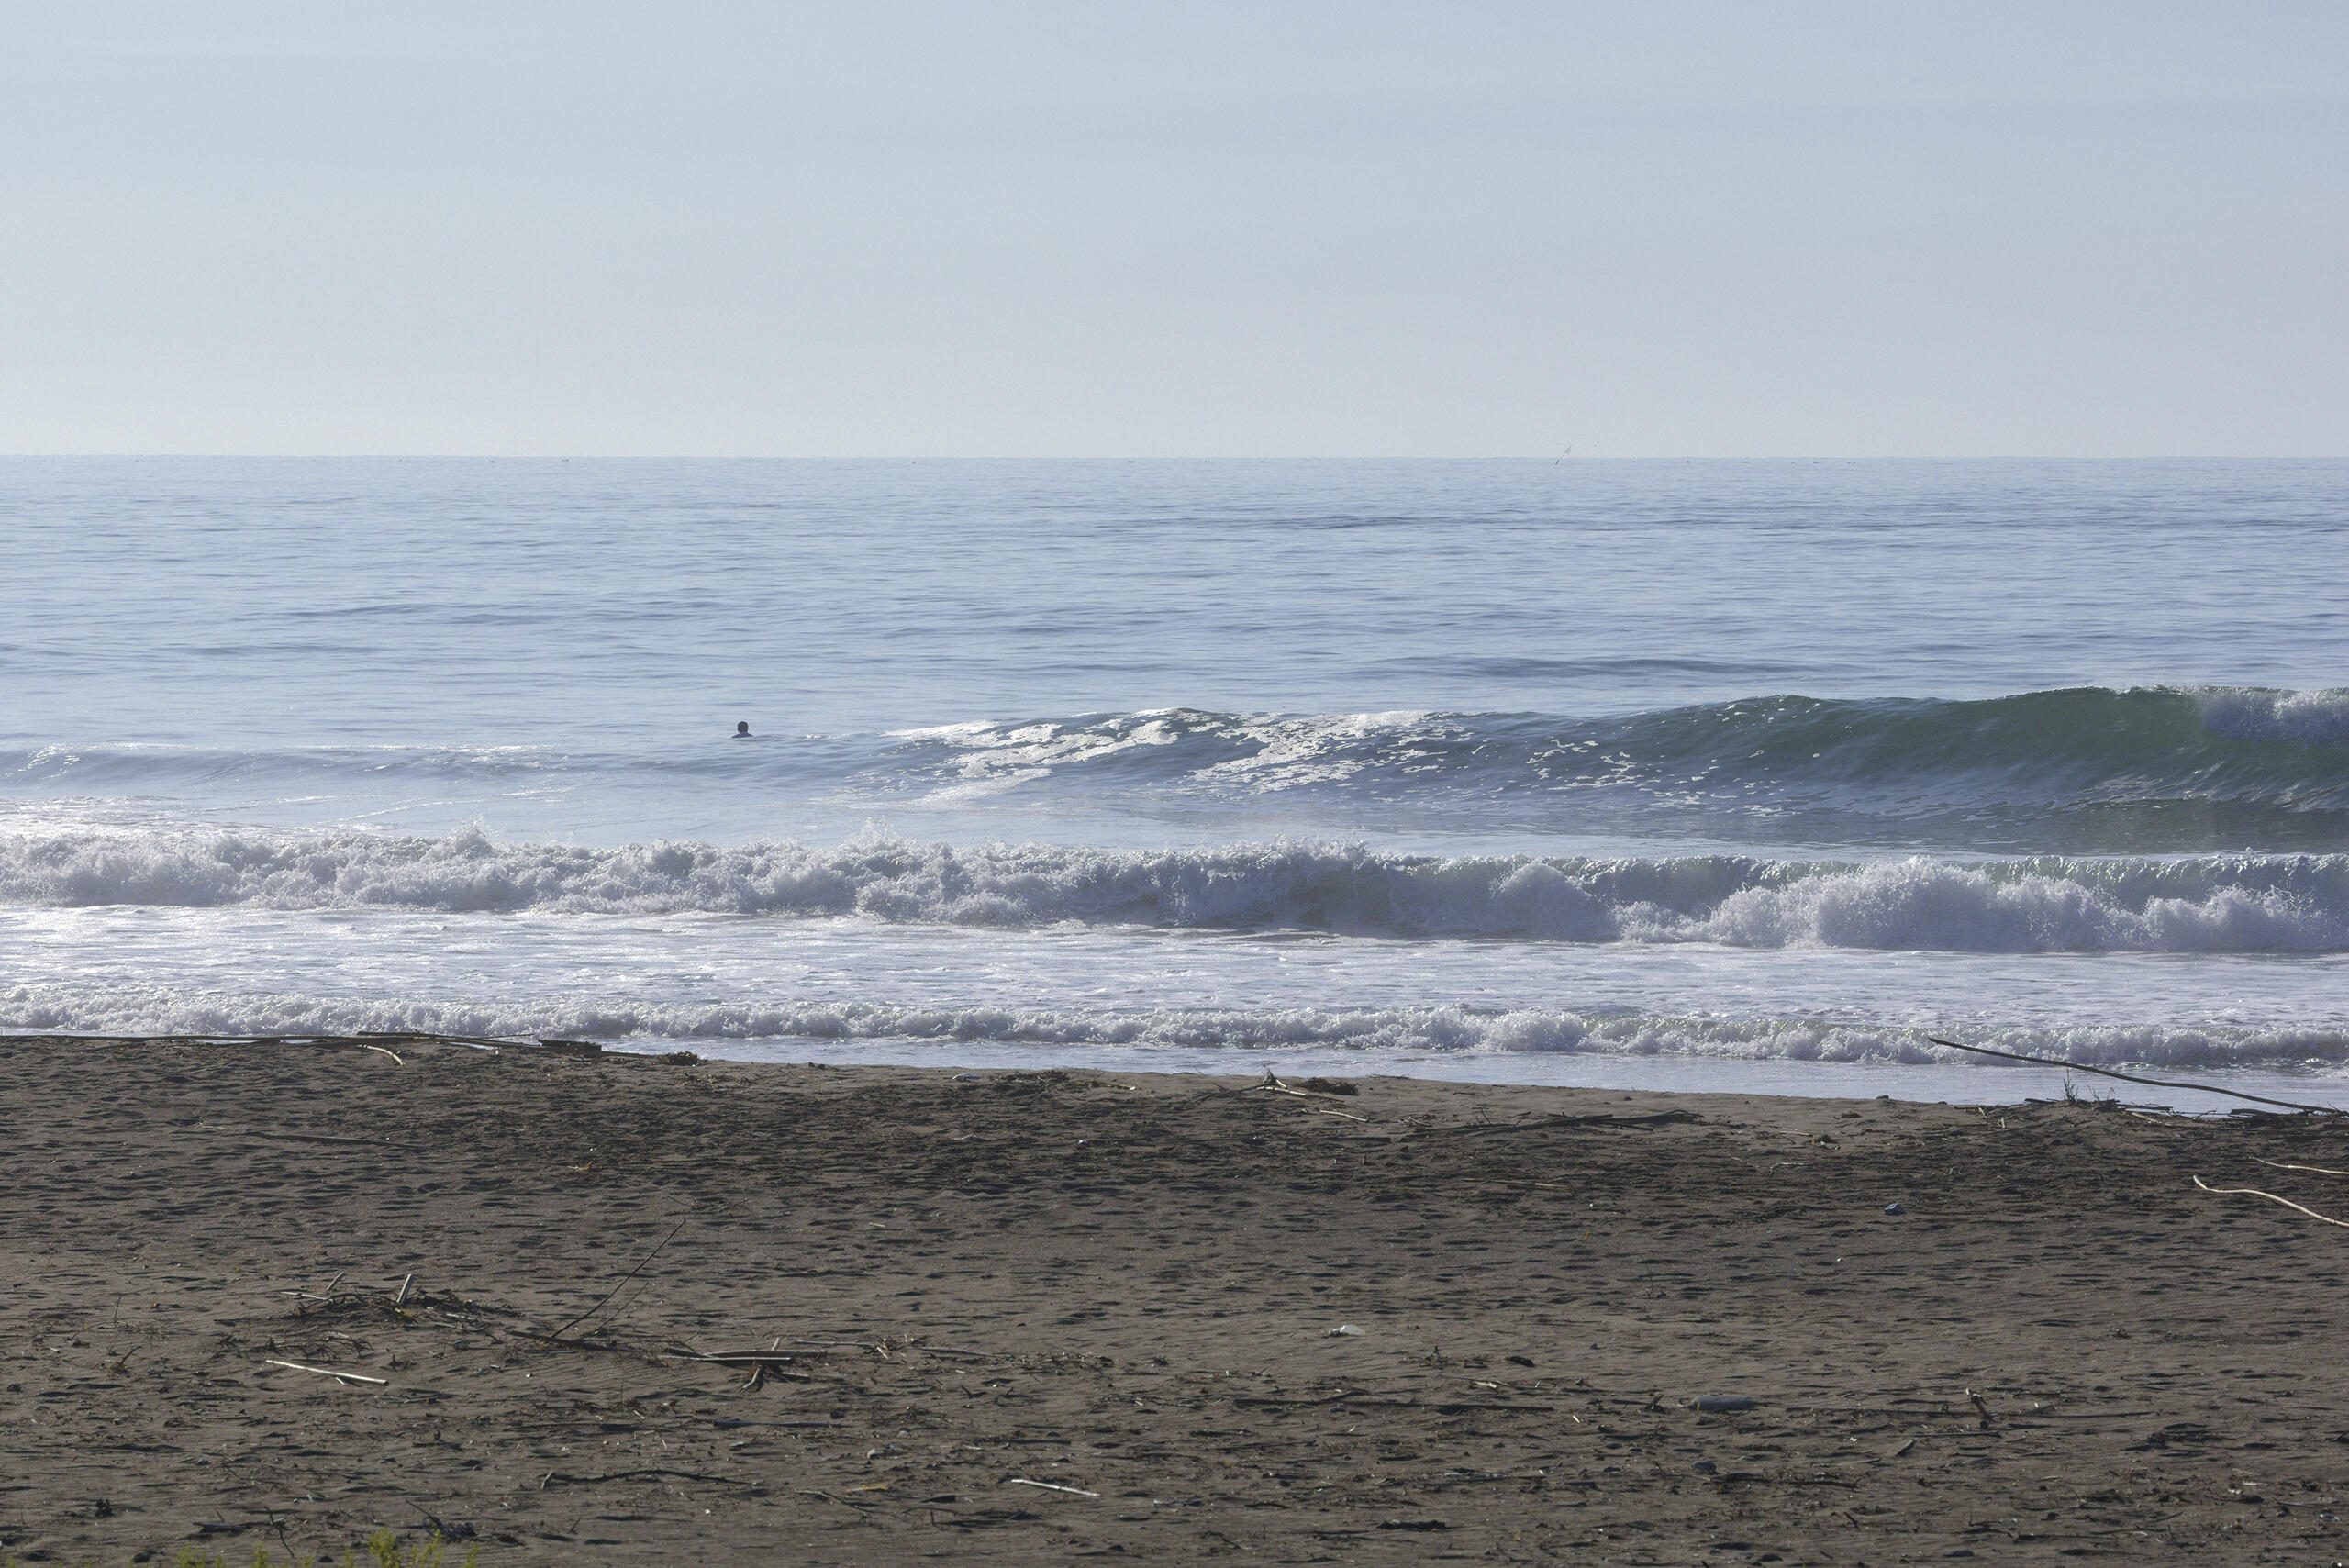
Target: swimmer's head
point(743, 728)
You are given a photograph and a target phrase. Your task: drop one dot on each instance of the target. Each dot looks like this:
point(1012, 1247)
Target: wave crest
point(2203, 903)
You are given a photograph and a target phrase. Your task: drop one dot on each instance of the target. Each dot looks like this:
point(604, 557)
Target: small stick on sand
point(2271, 1197)
point(624, 1279)
point(1049, 1486)
point(385, 1051)
point(402, 1297)
point(327, 1372)
point(2312, 1169)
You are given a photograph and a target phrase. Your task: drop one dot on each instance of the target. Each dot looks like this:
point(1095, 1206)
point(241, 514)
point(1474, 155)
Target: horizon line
point(1549, 460)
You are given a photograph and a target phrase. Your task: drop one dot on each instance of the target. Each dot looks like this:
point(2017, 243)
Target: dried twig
point(2143, 1082)
point(2271, 1197)
point(2312, 1169)
point(557, 1478)
point(763, 1364)
point(385, 1051)
point(624, 1279)
point(327, 1372)
point(1051, 1486)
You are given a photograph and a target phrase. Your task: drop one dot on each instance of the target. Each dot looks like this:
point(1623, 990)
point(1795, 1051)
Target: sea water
point(1704, 774)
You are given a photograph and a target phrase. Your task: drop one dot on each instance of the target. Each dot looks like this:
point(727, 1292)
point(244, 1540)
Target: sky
point(1282, 227)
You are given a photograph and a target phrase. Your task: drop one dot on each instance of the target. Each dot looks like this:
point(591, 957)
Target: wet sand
point(1142, 1293)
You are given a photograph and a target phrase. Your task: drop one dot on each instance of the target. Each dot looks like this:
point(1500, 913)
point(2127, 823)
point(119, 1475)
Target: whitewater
point(1689, 774)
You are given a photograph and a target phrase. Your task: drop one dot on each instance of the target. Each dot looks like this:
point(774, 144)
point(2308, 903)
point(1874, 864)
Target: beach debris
point(569, 1047)
point(763, 1365)
point(559, 1478)
point(1343, 1330)
point(1706, 1467)
point(327, 1372)
point(1327, 1087)
point(1274, 1086)
point(1895, 1208)
point(2145, 1083)
point(384, 1051)
point(2312, 1169)
point(1720, 1402)
point(1980, 1408)
point(624, 1279)
point(679, 1059)
point(1050, 1487)
point(1903, 1448)
point(1412, 1524)
point(2271, 1197)
point(967, 1078)
point(401, 1299)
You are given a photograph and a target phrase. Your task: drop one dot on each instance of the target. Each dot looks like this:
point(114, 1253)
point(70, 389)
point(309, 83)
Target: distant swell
point(2201, 904)
point(1376, 1032)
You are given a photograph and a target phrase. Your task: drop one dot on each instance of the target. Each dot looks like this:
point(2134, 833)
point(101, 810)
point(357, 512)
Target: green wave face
point(2080, 771)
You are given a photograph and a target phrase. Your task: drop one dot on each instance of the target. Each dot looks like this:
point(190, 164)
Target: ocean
point(1739, 776)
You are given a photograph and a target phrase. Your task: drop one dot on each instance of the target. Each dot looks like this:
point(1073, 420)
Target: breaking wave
point(2089, 745)
point(2148, 770)
point(2197, 904)
point(1408, 1031)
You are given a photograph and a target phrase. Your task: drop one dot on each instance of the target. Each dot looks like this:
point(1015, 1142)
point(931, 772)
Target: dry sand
point(1130, 1287)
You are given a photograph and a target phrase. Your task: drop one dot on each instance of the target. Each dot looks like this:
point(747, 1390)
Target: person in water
point(743, 730)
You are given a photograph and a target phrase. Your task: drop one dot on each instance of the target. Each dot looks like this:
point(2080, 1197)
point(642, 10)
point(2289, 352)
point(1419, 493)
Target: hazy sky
point(1190, 229)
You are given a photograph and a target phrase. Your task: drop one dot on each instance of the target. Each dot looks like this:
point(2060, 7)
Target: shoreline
point(1978, 1082)
point(1956, 1083)
point(1129, 1287)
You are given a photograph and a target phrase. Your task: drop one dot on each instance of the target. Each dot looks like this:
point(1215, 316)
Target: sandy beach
point(1042, 1316)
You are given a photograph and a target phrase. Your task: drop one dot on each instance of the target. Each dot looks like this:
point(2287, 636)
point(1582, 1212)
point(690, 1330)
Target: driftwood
point(2141, 1082)
point(2271, 1197)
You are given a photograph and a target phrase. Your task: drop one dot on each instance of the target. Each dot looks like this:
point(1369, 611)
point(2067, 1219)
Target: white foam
point(2207, 904)
point(2237, 713)
point(1371, 1033)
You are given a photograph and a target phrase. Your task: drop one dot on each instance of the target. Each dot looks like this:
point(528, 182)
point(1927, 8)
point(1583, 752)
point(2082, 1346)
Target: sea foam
point(1375, 1033)
point(2197, 904)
